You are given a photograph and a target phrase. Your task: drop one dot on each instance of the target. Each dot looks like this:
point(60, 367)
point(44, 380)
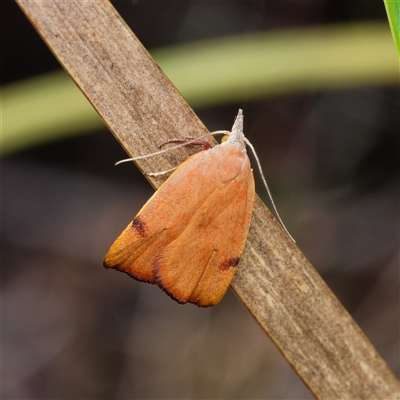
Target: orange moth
point(189, 236)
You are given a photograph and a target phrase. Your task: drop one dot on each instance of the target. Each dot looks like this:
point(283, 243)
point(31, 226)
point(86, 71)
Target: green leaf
point(219, 71)
point(393, 12)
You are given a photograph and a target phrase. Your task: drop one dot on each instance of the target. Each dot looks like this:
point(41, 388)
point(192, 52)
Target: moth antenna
point(168, 149)
point(266, 186)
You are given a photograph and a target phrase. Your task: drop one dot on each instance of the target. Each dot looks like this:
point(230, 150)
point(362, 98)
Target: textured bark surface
point(274, 280)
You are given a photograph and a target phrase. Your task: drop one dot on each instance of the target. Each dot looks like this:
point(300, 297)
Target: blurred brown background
point(73, 330)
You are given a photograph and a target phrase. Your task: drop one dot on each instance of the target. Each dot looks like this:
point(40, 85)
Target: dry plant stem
point(274, 280)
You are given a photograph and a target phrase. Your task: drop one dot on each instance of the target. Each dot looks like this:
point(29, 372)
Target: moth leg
point(167, 171)
point(196, 142)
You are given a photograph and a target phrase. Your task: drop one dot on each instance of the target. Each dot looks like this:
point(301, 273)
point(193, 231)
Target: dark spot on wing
point(232, 262)
point(140, 226)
